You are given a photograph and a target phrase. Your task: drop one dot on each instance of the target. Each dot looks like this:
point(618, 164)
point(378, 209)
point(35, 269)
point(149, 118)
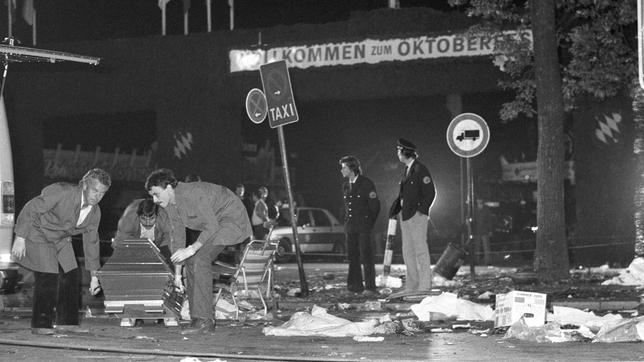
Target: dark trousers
point(360, 250)
point(260, 232)
point(60, 291)
point(198, 270)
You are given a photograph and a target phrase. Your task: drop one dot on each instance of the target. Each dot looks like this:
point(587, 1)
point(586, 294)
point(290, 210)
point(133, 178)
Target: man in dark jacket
point(414, 200)
point(43, 244)
point(221, 218)
point(361, 208)
point(143, 219)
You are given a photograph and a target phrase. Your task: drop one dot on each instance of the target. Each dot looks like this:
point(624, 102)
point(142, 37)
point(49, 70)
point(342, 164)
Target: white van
point(8, 269)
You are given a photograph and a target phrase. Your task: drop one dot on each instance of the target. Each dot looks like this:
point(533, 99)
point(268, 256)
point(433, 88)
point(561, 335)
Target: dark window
point(320, 218)
point(303, 218)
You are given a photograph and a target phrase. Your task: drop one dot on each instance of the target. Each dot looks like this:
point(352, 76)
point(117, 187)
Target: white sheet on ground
point(320, 323)
point(452, 307)
point(633, 275)
point(574, 316)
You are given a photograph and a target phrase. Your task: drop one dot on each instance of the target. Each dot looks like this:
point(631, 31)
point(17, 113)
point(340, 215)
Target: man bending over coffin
point(221, 217)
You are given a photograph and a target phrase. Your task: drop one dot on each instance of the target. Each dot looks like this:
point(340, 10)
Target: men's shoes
point(199, 326)
point(70, 328)
point(43, 331)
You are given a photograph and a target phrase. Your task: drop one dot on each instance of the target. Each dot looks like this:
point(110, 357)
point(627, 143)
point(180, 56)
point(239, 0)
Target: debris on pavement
point(512, 306)
point(388, 281)
point(577, 317)
point(632, 275)
point(320, 323)
point(550, 332)
point(452, 307)
point(368, 339)
point(626, 330)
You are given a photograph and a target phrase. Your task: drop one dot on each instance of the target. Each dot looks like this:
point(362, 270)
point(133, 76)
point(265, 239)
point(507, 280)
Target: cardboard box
point(512, 306)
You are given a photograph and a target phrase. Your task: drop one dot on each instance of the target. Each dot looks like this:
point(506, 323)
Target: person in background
point(415, 197)
point(259, 219)
point(484, 226)
point(361, 208)
point(240, 191)
point(220, 217)
point(273, 209)
point(143, 219)
point(43, 244)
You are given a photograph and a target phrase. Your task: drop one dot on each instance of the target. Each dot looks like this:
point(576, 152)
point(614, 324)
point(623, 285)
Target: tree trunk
point(551, 254)
point(638, 150)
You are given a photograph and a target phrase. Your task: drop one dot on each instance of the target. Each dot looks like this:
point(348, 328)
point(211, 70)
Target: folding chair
point(253, 273)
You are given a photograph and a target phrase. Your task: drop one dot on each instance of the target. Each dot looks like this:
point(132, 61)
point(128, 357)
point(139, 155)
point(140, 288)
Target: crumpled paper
point(452, 307)
point(626, 330)
point(633, 275)
point(577, 317)
point(320, 323)
point(550, 332)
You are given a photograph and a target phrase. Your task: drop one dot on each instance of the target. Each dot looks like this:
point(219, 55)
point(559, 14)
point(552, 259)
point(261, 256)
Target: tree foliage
point(597, 48)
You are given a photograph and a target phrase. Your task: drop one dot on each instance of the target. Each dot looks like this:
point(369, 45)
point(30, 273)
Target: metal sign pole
point(470, 217)
point(287, 179)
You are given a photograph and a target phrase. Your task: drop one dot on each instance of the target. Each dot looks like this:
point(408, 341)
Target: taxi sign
point(468, 135)
point(256, 108)
point(279, 95)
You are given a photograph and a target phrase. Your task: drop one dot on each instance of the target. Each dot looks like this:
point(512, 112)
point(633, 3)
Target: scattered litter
point(482, 332)
point(344, 306)
point(441, 330)
point(372, 305)
point(485, 296)
point(512, 306)
point(368, 339)
point(440, 281)
point(452, 307)
point(320, 323)
point(626, 330)
point(461, 326)
point(294, 292)
point(328, 276)
point(411, 325)
point(632, 275)
point(388, 281)
point(573, 316)
point(550, 332)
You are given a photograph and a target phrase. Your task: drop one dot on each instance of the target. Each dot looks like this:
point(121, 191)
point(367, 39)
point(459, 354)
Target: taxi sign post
point(277, 102)
point(279, 94)
point(468, 136)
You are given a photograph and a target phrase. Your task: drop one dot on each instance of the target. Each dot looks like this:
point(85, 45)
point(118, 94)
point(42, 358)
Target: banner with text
point(372, 51)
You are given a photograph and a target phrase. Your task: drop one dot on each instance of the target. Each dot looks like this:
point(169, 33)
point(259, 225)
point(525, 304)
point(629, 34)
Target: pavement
point(245, 340)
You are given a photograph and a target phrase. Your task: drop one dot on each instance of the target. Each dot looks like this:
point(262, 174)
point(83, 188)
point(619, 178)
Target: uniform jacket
point(47, 223)
point(129, 227)
point(416, 193)
point(361, 205)
point(212, 209)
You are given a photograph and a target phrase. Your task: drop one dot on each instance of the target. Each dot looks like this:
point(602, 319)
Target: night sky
point(80, 20)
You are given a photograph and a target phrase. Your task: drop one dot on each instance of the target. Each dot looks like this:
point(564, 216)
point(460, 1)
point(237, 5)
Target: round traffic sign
point(256, 107)
point(468, 135)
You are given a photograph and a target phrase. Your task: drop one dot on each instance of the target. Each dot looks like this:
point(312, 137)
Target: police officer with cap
point(415, 197)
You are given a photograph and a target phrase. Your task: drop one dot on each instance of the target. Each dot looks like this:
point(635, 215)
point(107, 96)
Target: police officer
point(416, 196)
point(361, 208)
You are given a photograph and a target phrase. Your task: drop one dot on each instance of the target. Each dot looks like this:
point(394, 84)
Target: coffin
point(134, 276)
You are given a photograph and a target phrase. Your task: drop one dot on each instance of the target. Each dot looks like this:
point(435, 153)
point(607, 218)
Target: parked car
point(317, 229)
